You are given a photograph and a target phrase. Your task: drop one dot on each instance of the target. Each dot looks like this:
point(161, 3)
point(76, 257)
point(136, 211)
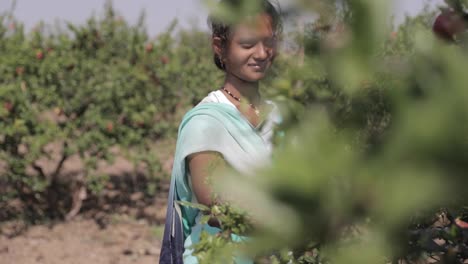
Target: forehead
point(260, 25)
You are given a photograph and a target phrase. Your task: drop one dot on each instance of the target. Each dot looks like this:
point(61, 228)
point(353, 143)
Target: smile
point(257, 67)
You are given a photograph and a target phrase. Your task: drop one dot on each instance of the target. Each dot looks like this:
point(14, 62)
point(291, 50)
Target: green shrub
point(88, 88)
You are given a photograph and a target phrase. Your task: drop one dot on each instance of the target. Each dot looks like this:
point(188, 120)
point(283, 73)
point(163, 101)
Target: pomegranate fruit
point(448, 24)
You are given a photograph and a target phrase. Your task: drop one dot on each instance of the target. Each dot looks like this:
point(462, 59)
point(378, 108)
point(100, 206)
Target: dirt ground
point(124, 240)
point(121, 225)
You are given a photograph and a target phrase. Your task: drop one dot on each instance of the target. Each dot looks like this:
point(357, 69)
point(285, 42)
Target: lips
point(257, 67)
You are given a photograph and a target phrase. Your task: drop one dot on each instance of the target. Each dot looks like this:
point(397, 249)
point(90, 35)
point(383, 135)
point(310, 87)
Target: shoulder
point(205, 118)
point(198, 120)
point(216, 97)
point(210, 98)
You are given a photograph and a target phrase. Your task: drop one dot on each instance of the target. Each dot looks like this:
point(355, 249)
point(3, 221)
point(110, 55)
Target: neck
point(242, 89)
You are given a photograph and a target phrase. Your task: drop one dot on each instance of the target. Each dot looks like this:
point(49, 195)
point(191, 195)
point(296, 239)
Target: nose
point(261, 52)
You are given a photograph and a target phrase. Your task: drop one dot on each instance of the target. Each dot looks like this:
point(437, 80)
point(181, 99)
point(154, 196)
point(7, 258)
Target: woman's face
point(251, 49)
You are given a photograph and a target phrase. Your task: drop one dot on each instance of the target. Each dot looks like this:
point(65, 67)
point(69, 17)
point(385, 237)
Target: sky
point(159, 13)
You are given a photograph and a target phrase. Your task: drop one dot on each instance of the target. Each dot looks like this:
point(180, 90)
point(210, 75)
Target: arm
point(203, 166)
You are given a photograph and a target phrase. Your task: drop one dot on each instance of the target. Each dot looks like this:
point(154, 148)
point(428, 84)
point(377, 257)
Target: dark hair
point(222, 27)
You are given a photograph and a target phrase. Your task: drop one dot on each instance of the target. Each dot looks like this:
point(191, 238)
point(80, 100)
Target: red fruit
point(149, 47)
point(110, 127)
point(448, 24)
point(39, 55)
point(140, 124)
point(12, 26)
point(461, 223)
point(19, 71)
point(164, 60)
point(8, 106)
point(393, 35)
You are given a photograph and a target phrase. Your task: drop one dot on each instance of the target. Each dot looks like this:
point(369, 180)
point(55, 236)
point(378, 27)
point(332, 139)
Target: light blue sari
point(220, 128)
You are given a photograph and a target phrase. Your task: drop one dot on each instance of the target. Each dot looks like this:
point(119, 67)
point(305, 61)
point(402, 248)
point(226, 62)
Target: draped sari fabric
point(219, 128)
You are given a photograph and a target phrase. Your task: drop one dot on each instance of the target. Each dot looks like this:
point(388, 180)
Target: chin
point(255, 77)
point(251, 76)
point(252, 79)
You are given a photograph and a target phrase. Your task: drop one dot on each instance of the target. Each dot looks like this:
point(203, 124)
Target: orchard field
point(88, 124)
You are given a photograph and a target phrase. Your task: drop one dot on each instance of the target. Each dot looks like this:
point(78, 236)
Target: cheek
point(239, 57)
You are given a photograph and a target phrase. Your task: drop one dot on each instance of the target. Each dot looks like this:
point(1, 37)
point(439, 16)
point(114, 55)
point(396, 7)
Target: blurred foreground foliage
point(373, 167)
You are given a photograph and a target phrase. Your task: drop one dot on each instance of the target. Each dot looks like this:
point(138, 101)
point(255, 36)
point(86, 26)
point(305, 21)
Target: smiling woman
point(231, 127)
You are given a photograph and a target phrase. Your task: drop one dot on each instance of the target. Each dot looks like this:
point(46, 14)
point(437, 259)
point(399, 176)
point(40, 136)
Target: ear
point(218, 47)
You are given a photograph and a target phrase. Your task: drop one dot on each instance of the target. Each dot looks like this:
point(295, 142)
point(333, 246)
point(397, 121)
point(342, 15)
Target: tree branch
point(62, 161)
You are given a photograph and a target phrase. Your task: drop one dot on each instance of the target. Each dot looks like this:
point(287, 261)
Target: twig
point(39, 170)
point(62, 161)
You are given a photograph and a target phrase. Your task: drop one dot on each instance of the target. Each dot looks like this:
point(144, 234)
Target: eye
point(248, 43)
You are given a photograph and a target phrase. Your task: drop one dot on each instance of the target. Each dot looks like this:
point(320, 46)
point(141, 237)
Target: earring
point(223, 65)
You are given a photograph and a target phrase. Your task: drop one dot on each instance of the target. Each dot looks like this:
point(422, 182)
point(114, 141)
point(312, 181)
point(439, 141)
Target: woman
point(231, 126)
